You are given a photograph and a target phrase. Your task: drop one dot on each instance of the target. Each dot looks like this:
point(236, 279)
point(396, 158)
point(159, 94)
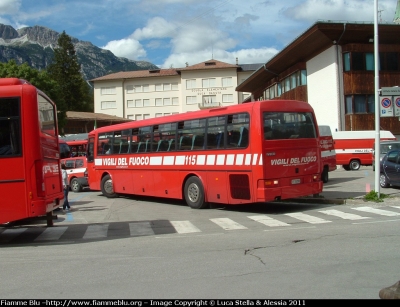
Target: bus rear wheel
point(194, 193)
point(325, 175)
point(107, 187)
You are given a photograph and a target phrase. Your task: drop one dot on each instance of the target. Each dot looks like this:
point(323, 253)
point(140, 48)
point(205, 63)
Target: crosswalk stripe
point(343, 215)
point(140, 229)
point(96, 231)
point(377, 211)
point(268, 221)
point(227, 224)
point(53, 233)
point(9, 234)
point(184, 227)
point(307, 218)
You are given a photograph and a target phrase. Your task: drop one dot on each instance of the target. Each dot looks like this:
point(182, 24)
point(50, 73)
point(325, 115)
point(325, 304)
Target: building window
point(108, 91)
point(138, 88)
point(159, 87)
point(174, 86)
point(130, 116)
point(227, 98)
point(349, 105)
point(303, 77)
point(175, 101)
point(190, 83)
point(389, 61)
point(146, 88)
point(167, 102)
point(167, 86)
point(208, 82)
point(346, 61)
point(146, 116)
point(191, 99)
point(159, 114)
point(129, 89)
point(159, 102)
point(226, 82)
point(129, 104)
point(138, 103)
point(369, 61)
point(138, 117)
point(146, 102)
point(371, 103)
point(108, 105)
point(360, 105)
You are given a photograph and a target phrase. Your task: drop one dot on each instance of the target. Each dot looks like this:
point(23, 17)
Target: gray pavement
point(350, 187)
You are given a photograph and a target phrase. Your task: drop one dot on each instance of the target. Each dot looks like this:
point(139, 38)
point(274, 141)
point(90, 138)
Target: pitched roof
point(138, 74)
point(78, 116)
point(210, 64)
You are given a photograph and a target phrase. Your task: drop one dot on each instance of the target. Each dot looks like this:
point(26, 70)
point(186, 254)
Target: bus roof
point(299, 106)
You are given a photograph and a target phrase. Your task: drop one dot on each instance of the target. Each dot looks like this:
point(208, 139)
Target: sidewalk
point(350, 187)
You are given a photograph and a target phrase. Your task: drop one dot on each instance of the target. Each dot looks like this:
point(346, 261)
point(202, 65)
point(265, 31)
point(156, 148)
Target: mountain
point(34, 45)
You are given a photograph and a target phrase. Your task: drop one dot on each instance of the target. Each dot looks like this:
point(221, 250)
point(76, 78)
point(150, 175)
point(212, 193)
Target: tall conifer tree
point(74, 92)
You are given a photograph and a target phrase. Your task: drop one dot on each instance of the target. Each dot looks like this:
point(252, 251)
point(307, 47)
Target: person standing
point(65, 186)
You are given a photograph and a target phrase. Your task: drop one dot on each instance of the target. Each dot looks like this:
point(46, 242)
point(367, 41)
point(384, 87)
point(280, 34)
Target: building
point(145, 94)
point(331, 66)
point(84, 122)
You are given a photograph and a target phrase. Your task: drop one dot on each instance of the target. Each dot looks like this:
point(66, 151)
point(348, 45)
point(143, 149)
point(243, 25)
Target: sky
point(171, 33)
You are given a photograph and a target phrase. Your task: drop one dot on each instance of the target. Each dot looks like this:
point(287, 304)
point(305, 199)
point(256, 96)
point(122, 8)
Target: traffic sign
point(388, 91)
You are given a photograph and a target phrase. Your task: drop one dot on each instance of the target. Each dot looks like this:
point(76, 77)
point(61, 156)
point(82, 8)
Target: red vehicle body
point(78, 147)
point(354, 148)
point(252, 152)
point(77, 173)
point(30, 177)
point(328, 153)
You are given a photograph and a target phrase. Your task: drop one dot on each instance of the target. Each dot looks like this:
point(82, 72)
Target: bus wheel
point(194, 193)
point(107, 187)
point(354, 165)
point(75, 185)
point(324, 175)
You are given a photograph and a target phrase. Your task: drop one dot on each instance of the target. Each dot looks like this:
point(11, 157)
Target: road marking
point(307, 218)
point(140, 229)
point(343, 215)
point(227, 224)
point(266, 220)
point(96, 231)
point(377, 211)
point(53, 233)
point(184, 227)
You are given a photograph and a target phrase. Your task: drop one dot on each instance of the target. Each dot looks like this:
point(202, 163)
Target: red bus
point(253, 152)
point(78, 147)
point(65, 150)
point(30, 177)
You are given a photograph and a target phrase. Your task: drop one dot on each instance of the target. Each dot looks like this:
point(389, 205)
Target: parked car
point(390, 169)
point(384, 147)
point(77, 173)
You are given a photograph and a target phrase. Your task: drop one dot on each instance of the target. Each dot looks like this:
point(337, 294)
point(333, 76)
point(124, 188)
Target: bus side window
point(185, 142)
point(197, 142)
point(244, 137)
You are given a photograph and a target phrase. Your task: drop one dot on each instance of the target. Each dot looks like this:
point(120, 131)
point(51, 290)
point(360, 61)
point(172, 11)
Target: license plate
point(296, 181)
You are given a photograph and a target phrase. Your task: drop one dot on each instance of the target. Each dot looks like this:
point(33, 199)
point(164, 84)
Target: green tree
point(74, 92)
point(40, 79)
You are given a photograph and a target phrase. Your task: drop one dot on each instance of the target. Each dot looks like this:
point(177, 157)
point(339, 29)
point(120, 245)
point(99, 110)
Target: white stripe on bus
point(221, 159)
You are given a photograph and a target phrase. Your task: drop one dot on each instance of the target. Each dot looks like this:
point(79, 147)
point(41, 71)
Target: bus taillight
point(270, 183)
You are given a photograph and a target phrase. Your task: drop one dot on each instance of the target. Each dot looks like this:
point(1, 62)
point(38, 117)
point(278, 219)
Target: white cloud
point(156, 27)
point(9, 7)
point(127, 48)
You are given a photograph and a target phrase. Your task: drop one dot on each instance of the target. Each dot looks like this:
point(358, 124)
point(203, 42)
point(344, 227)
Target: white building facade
point(146, 94)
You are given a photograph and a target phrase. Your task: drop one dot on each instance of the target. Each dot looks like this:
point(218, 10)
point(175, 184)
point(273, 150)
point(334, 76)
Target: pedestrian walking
point(65, 186)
